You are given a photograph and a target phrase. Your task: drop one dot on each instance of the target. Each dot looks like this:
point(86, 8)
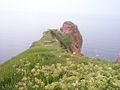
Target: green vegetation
point(50, 65)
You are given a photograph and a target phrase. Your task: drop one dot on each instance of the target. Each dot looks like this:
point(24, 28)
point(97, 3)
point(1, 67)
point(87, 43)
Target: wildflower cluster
point(69, 76)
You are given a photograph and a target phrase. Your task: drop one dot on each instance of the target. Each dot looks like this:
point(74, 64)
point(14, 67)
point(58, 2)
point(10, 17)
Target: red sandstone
point(77, 40)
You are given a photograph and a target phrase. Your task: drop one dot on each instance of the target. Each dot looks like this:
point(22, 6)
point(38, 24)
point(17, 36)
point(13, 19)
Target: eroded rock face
point(72, 29)
point(118, 58)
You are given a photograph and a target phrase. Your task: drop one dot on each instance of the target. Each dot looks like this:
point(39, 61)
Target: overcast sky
point(104, 7)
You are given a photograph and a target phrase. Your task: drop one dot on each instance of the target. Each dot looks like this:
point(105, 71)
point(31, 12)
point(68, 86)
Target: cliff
point(52, 64)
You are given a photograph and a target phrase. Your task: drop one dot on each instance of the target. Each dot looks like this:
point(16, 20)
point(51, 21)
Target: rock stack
point(77, 40)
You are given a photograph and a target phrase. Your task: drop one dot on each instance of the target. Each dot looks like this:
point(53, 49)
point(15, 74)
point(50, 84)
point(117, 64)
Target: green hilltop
point(49, 64)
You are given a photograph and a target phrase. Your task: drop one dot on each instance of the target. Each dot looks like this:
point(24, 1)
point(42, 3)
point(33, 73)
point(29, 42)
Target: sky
point(101, 7)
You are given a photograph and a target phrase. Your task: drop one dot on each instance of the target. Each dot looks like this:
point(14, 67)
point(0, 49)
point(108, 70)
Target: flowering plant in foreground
point(82, 76)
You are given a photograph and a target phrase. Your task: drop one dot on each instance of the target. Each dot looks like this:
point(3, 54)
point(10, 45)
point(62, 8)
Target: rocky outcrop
point(77, 40)
point(53, 38)
point(118, 58)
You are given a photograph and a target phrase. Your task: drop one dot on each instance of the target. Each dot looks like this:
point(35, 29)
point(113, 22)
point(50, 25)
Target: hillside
point(50, 64)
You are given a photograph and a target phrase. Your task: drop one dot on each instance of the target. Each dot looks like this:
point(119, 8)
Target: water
point(101, 35)
point(19, 29)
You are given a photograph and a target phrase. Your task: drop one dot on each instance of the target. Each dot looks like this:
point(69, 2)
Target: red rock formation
point(72, 29)
point(118, 58)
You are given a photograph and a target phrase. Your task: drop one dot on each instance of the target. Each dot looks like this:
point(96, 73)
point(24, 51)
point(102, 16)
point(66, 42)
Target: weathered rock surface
point(118, 58)
point(77, 40)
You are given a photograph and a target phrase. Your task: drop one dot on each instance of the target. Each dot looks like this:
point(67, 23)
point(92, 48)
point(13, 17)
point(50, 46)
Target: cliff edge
point(55, 63)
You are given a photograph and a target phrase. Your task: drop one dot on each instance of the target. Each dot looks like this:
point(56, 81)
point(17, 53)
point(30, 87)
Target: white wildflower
point(67, 58)
point(21, 88)
point(71, 55)
point(74, 53)
point(59, 56)
point(33, 70)
point(110, 68)
point(24, 78)
point(35, 86)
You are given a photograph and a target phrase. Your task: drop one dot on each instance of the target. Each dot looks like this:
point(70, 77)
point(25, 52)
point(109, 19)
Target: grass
point(48, 65)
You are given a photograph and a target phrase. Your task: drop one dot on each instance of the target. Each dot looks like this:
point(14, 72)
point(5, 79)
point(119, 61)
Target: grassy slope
point(48, 51)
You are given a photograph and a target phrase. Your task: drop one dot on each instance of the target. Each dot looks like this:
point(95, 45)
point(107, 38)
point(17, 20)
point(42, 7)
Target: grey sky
point(104, 7)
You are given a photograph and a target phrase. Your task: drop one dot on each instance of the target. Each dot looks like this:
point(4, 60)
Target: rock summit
point(70, 28)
